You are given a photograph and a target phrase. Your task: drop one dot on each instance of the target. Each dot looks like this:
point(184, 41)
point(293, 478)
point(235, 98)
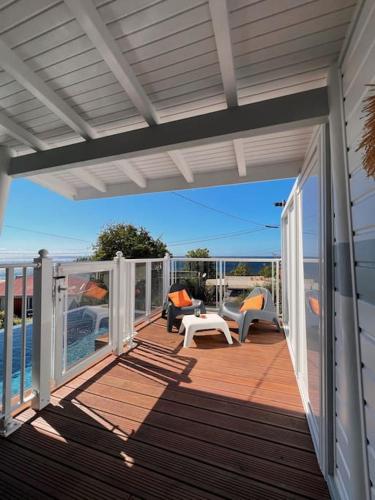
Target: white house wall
point(358, 71)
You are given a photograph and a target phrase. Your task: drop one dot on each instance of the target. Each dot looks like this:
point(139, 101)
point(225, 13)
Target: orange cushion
point(315, 305)
point(180, 298)
point(255, 302)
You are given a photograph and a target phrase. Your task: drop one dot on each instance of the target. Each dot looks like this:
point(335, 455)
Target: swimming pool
point(16, 358)
point(82, 341)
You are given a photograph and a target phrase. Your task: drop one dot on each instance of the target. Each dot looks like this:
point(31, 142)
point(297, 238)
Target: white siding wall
point(358, 70)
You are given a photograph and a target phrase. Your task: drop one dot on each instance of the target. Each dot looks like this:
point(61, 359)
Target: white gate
point(85, 294)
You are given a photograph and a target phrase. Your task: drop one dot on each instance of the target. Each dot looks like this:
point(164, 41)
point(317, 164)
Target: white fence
point(219, 279)
point(83, 311)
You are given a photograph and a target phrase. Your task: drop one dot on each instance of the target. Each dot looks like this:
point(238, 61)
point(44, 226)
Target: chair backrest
point(268, 304)
point(176, 287)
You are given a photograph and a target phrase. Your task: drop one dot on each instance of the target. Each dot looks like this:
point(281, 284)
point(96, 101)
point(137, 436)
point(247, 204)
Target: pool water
point(16, 358)
point(81, 340)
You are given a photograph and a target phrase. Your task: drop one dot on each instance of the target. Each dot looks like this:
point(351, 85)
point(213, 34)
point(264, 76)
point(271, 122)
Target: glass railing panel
point(201, 278)
point(140, 291)
point(87, 315)
point(21, 333)
point(157, 288)
point(241, 277)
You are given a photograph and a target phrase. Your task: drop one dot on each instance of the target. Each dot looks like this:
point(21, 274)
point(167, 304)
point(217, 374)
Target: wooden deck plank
point(94, 465)
point(294, 439)
point(228, 438)
point(179, 477)
point(161, 421)
point(202, 401)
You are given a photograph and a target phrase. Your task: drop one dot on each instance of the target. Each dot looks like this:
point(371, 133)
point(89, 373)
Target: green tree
point(133, 242)
point(266, 271)
point(241, 269)
point(195, 274)
point(198, 253)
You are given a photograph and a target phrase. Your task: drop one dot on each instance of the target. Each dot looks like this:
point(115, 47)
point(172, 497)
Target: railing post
point(119, 303)
point(277, 263)
point(42, 331)
point(166, 274)
point(148, 289)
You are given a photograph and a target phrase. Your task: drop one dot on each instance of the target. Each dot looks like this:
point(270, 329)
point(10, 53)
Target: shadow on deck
point(161, 421)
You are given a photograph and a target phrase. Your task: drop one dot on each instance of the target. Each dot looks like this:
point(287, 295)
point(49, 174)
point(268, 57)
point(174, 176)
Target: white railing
point(15, 341)
point(216, 279)
point(95, 306)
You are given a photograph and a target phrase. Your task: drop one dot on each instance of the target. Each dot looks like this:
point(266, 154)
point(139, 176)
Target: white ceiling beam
point(90, 179)
point(133, 174)
point(240, 157)
point(91, 22)
point(221, 26)
point(20, 133)
point(56, 185)
point(11, 63)
point(181, 164)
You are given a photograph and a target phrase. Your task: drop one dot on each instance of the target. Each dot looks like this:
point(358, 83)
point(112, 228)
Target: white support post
point(166, 274)
point(148, 289)
point(42, 331)
point(5, 181)
point(277, 263)
point(119, 305)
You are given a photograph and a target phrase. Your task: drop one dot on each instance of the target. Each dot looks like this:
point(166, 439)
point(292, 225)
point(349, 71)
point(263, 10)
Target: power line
point(222, 212)
point(217, 237)
point(45, 233)
point(224, 235)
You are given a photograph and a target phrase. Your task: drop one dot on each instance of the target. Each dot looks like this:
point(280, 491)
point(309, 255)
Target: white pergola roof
point(81, 70)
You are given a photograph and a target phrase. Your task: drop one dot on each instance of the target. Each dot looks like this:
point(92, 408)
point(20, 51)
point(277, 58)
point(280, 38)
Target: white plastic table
point(192, 324)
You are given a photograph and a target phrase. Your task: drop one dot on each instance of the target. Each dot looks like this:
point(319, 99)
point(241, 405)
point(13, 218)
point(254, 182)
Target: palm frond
point(368, 138)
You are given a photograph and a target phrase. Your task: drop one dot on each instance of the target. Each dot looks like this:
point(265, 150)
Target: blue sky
point(171, 217)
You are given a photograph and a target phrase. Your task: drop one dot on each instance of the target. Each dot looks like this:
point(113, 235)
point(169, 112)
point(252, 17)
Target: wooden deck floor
point(212, 421)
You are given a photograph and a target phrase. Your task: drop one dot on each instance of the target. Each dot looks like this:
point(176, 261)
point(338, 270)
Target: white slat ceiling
point(173, 50)
point(264, 151)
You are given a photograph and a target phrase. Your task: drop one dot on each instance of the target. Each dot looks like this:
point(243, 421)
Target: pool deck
point(210, 421)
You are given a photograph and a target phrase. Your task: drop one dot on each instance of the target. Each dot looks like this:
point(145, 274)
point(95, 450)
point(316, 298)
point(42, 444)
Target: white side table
point(191, 324)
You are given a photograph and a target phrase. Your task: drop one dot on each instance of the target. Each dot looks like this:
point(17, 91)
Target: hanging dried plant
point(368, 139)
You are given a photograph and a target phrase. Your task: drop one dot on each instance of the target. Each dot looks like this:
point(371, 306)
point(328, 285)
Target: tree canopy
point(134, 242)
point(266, 271)
point(242, 269)
point(198, 253)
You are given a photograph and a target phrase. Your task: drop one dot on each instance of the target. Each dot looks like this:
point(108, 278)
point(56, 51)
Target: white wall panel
point(358, 70)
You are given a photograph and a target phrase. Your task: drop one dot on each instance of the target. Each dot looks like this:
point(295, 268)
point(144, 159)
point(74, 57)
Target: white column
point(42, 330)
point(119, 309)
point(5, 181)
point(166, 274)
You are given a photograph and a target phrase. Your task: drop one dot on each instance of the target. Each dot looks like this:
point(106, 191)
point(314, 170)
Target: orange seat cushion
point(315, 305)
point(180, 298)
point(255, 302)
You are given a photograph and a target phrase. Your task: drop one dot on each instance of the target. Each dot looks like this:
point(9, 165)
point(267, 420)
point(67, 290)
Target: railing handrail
point(226, 259)
point(150, 259)
point(13, 265)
